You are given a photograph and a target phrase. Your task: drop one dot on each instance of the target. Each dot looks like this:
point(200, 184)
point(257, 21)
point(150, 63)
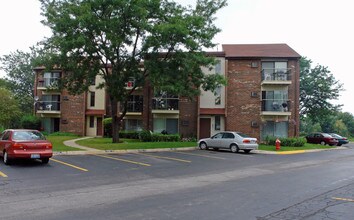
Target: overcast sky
point(321, 30)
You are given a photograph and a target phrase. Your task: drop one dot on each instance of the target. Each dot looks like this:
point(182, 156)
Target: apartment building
point(260, 99)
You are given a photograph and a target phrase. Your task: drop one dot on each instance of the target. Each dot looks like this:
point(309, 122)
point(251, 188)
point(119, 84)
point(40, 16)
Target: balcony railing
point(165, 103)
point(48, 82)
point(276, 75)
point(48, 106)
point(276, 105)
point(134, 106)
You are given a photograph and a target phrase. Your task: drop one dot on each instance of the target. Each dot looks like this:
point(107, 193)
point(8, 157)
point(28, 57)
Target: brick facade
point(241, 108)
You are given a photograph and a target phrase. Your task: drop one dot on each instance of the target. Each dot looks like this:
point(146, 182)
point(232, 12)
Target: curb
point(87, 152)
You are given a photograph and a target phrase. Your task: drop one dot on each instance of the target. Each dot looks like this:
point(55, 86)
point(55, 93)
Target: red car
point(321, 138)
point(25, 144)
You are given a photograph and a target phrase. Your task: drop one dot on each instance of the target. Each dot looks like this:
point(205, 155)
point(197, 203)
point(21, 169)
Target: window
point(133, 124)
point(217, 123)
point(170, 125)
point(275, 129)
point(6, 136)
point(92, 121)
point(218, 67)
point(92, 99)
point(228, 136)
point(218, 96)
point(274, 70)
point(275, 100)
point(217, 136)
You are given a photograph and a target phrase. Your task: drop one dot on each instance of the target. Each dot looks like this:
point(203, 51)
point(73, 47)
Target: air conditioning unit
point(254, 64)
point(254, 124)
point(254, 94)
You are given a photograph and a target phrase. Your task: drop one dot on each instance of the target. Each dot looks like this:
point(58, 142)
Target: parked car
point(26, 144)
point(321, 138)
point(341, 140)
point(234, 141)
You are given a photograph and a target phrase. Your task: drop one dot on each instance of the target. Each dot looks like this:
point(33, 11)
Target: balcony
point(165, 105)
point(276, 76)
point(276, 107)
point(134, 107)
point(48, 83)
point(48, 107)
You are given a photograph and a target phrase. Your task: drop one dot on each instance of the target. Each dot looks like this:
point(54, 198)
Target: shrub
point(31, 122)
point(129, 134)
point(145, 136)
point(290, 142)
point(165, 137)
point(61, 134)
point(107, 127)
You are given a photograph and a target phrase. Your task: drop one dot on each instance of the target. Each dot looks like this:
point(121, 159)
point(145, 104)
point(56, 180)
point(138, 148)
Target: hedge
point(290, 142)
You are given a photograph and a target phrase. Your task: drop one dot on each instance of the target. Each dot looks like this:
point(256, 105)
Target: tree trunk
point(115, 120)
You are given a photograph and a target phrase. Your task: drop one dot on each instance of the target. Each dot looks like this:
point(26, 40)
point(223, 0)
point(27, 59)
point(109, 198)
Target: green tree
point(348, 119)
point(19, 66)
point(113, 38)
point(9, 109)
point(340, 128)
point(318, 87)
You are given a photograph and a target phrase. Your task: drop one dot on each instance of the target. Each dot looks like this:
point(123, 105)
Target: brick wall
point(188, 117)
point(73, 113)
point(294, 120)
point(241, 108)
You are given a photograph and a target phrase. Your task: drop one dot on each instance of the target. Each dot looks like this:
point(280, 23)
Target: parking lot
point(176, 185)
point(113, 164)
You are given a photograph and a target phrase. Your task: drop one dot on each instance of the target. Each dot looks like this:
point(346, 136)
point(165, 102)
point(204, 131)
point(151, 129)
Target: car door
point(227, 140)
point(215, 140)
point(4, 140)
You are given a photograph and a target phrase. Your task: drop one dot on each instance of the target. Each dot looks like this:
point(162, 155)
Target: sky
point(321, 30)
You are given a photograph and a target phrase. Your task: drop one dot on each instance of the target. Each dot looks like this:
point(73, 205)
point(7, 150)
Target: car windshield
point(27, 135)
point(243, 135)
point(336, 136)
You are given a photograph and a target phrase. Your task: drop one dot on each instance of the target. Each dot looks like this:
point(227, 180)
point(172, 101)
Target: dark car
point(321, 138)
point(25, 144)
point(341, 140)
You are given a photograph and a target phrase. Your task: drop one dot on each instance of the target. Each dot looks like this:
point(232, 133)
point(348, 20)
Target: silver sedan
point(234, 141)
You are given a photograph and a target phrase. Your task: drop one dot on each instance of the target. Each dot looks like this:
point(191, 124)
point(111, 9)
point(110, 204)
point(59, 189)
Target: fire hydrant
point(277, 144)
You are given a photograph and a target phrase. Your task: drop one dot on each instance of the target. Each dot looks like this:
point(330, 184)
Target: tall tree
point(18, 66)
point(318, 87)
point(9, 109)
point(113, 38)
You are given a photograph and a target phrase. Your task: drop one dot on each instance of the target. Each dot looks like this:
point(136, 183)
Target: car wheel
point(45, 160)
point(203, 146)
point(323, 143)
point(234, 148)
point(247, 151)
point(6, 158)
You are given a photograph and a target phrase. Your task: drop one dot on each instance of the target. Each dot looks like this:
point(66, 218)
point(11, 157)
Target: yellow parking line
point(70, 165)
point(343, 199)
point(123, 160)
point(3, 174)
point(168, 158)
point(200, 155)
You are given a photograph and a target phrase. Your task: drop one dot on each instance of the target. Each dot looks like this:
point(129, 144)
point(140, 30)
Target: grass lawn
point(58, 144)
point(106, 144)
point(307, 146)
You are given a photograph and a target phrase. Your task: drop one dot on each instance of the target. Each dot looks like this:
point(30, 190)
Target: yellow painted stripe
point(343, 199)
point(167, 158)
point(3, 174)
point(292, 152)
point(123, 160)
point(200, 155)
point(70, 165)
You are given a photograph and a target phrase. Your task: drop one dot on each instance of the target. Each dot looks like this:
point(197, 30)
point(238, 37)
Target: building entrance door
point(204, 127)
point(99, 127)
